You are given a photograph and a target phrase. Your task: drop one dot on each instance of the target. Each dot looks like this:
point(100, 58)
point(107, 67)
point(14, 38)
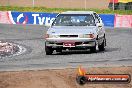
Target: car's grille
point(68, 36)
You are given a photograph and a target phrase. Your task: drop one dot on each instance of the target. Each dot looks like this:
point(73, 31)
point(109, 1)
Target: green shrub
point(58, 10)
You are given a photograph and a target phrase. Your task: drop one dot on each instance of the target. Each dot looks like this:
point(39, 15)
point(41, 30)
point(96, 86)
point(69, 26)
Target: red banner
point(115, 1)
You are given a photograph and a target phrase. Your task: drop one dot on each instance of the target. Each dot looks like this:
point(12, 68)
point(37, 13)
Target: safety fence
point(11, 17)
point(84, 4)
point(100, 4)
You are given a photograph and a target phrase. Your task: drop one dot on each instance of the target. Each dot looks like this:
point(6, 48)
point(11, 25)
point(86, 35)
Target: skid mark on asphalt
point(89, 61)
point(112, 49)
point(125, 60)
point(22, 39)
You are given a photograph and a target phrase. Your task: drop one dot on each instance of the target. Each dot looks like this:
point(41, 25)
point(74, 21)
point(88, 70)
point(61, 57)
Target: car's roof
point(78, 12)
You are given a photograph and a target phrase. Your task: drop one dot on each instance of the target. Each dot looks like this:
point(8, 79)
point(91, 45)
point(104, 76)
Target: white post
point(8, 3)
point(33, 3)
point(85, 4)
point(113, 5)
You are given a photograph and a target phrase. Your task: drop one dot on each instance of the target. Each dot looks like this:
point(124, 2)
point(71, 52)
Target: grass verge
point(58, 10)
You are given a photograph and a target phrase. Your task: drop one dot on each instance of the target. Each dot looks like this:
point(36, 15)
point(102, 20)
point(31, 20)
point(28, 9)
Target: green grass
point(58, 10)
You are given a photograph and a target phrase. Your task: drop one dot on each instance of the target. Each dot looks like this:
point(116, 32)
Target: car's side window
point(97, 18)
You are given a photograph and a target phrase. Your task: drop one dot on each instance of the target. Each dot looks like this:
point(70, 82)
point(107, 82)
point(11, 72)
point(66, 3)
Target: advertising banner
point(47, 18)
point(115, 1)
point(123, 21)
point(4, 17)
point(11, 17)
point(124, 1)
point(108, 19)
point(31, 18)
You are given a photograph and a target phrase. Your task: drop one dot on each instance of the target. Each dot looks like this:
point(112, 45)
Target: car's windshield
point(74, 20)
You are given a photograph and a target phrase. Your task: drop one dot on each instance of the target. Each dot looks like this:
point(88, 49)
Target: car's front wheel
point(48, 50)
point(94, 48)
point(102, 46)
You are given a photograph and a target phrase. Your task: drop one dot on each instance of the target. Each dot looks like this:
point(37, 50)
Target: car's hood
point(63, 30)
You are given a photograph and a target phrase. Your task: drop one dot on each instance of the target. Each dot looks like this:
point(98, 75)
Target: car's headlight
point(46, 35)
point(86, 36)
point(51, 36)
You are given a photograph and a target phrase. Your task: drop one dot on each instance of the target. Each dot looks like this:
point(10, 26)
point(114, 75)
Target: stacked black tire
point(115, 6)
point(121, 6)
point(129, 6)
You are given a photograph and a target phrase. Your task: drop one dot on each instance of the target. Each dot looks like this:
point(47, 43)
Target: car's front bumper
point(79, 42)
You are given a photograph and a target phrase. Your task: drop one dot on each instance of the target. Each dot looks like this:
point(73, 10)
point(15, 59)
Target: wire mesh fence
point(96, 4)
point(100, 4)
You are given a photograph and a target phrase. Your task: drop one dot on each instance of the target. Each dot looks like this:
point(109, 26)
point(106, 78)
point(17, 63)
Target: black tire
point(48, 50)
point(93, 49)
point(81, 80)
point(102, 46)
point(110, 6)
point(122, 6)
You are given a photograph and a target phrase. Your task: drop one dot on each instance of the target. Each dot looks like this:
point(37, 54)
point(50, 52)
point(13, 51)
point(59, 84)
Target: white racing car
point(76, 30)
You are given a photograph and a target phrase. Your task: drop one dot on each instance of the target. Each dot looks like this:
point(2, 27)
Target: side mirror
point(99, 25)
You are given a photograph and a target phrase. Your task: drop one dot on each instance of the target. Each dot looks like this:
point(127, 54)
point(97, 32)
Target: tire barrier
point(129, 6)
point(11, 17)
point(120, 4)
point(115, 6)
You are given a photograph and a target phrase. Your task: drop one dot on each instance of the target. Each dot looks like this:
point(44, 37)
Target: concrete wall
point(101, 4)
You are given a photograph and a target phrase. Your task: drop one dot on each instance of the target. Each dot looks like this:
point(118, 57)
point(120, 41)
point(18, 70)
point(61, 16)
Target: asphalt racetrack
point(118, 51)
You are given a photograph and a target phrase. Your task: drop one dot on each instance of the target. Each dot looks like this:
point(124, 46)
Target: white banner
point(123, 21)
point(4, 17)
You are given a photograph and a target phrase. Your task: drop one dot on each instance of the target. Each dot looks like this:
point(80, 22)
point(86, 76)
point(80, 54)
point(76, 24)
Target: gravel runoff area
point(9, 49)
point(62, 78)
point(117, 59)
